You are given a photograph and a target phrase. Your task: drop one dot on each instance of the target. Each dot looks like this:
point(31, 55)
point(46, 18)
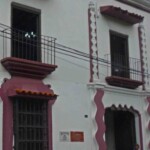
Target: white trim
point(115, 89)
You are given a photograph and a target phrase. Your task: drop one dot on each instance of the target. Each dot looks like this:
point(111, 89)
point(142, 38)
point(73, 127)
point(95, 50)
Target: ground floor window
point(120, 130)
point(30, 124)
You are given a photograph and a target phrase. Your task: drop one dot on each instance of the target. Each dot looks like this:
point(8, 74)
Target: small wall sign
point(64, 136)
point(76, 136)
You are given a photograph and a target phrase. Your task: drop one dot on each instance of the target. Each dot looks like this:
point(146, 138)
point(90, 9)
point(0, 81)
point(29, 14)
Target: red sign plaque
point(76, 136)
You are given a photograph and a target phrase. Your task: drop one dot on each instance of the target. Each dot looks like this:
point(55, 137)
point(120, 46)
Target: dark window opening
point(30, 124)
point(25, 33)
point(119, 55)
point(120, 130)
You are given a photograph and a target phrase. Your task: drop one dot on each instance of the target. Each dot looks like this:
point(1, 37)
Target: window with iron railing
point(20, 44)
point(122, 70)
point(24, 39)
point(119, 54)
point(30, 124)
point(26, 44)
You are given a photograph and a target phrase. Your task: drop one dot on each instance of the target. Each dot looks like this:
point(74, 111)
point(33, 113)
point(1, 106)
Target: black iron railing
point(27, 45)
point(30, 124)
point(126, 67)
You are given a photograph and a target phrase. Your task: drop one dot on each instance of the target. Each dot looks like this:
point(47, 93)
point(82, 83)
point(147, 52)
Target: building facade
point(74, 75)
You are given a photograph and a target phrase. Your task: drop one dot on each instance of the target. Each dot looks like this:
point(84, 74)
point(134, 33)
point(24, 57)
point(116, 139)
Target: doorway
point(119, 54)
point(25, 32)
point(120, 129)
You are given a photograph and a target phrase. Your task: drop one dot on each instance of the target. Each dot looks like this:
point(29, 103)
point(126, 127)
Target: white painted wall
point(67, 20)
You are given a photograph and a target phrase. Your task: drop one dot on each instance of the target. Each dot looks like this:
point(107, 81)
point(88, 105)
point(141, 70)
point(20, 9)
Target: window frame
point(34, 11)
point(22, 114)
point(126, 37)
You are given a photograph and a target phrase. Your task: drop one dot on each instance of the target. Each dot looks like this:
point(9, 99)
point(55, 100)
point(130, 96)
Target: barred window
point(30, 124)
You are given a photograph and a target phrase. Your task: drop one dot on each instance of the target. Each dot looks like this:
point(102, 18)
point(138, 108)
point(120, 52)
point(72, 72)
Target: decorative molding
point(94, 71)
point(1, 82)
point(123, 82)
point(107, 88)
point(8, 88)
point(148, 111)
point(99, 120)
point(99, 110)
point(143, 55)
point(27, 68)
point(119, 13)
point(99, 115)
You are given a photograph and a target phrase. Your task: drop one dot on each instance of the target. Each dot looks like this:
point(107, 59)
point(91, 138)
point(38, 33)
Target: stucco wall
point(67, 20)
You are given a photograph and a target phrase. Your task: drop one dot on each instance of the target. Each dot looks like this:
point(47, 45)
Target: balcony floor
point(123, 82)
point(27, 68)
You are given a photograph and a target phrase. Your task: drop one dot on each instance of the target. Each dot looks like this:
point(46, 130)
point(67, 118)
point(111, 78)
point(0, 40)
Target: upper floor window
point(119, 54)
point(122, 70)
point(25, 32)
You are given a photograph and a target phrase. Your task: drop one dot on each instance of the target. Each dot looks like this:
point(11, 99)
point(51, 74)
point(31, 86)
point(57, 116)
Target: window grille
point(30, 124)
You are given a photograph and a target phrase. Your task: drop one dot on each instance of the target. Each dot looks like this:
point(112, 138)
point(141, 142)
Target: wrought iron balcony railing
point(26, 54)
point(122, 71)
point(27, 45)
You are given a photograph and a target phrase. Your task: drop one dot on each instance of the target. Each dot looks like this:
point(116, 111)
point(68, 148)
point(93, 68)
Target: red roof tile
point(29, 92)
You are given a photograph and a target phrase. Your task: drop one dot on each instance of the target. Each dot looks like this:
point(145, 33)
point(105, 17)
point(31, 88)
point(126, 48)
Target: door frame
point(32, 10)
point(138, 121)
point(111, 32)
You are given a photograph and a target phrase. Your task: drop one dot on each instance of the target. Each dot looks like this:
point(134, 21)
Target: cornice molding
point(114, 89)
point(140, 4)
